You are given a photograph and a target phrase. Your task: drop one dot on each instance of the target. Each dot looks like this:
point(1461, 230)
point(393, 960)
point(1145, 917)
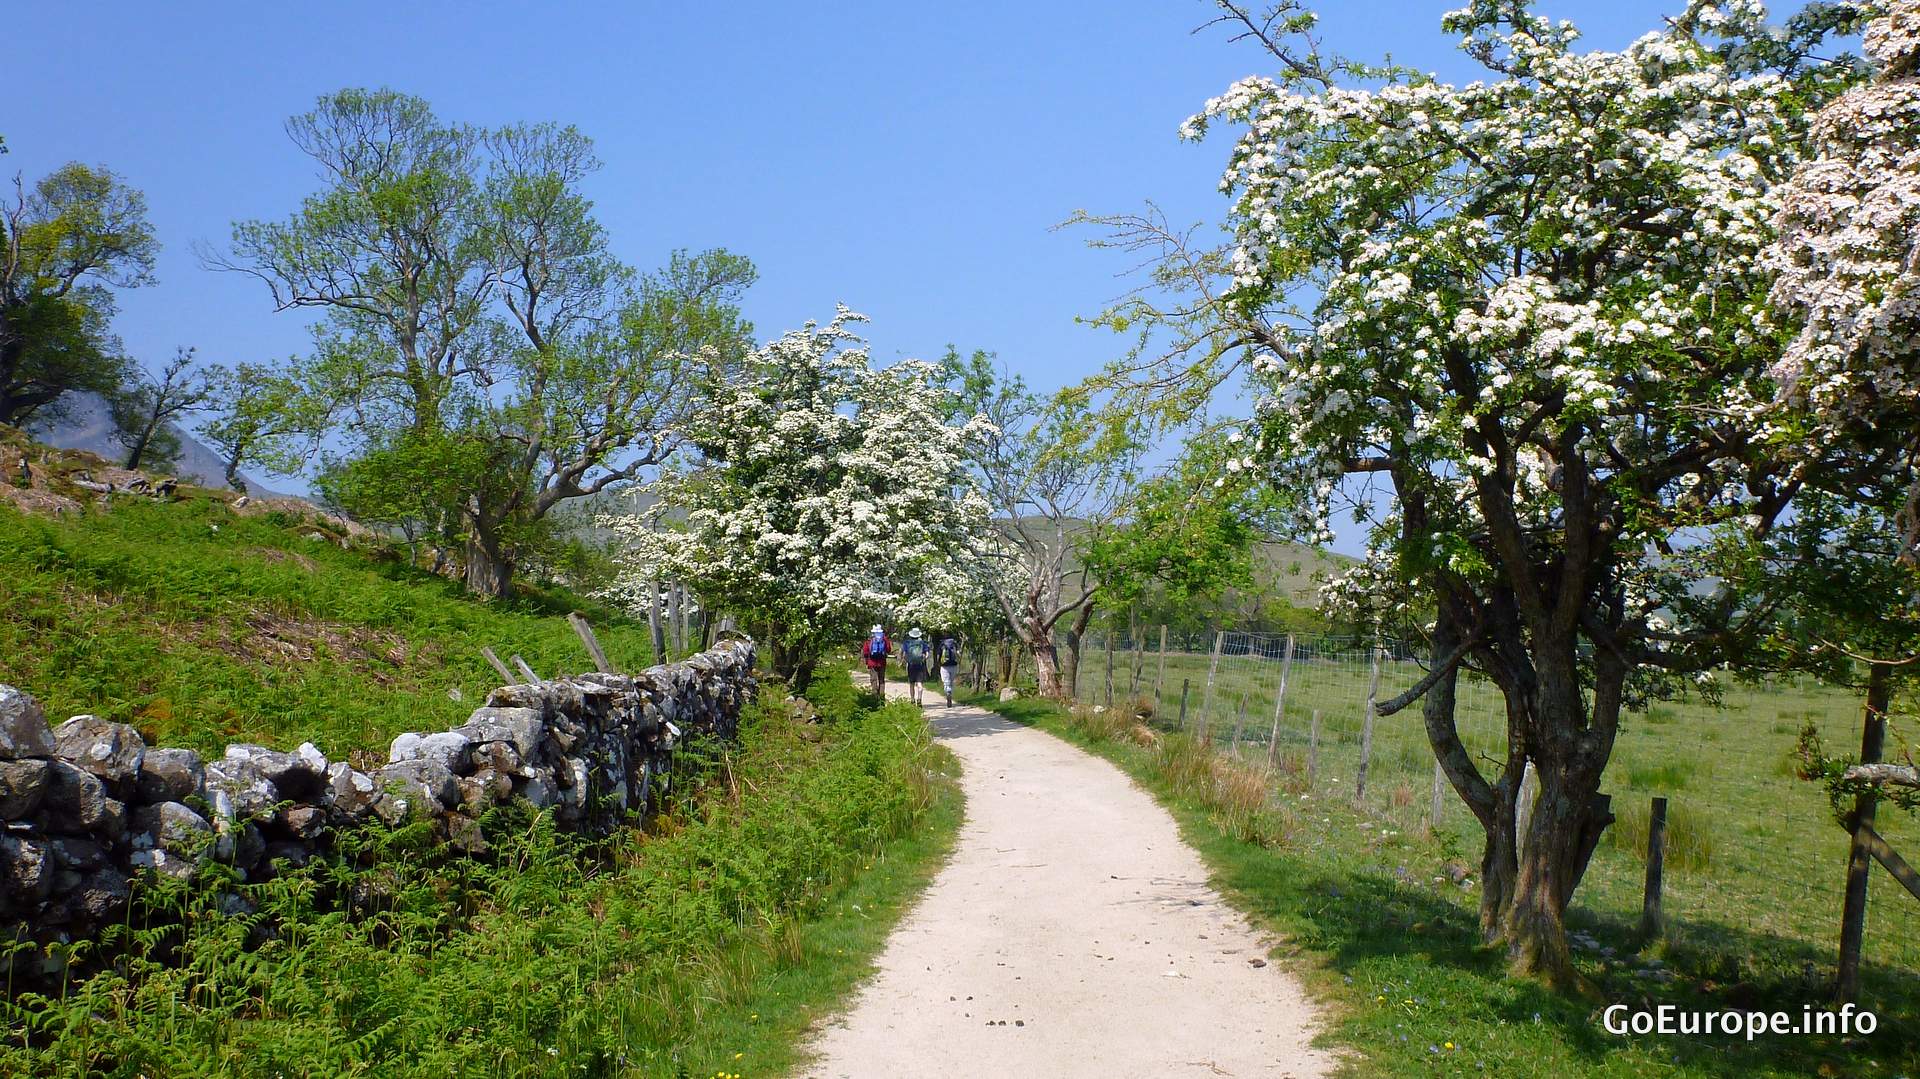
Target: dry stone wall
point(87, 806)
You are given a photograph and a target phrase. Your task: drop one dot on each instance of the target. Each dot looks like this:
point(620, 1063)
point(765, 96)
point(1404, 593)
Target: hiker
point(875, 652)
point(916, 653)
point(949, 665)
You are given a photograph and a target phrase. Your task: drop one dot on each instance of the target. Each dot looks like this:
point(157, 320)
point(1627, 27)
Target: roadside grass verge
point(1381, 933)
point(199, 627)
point(706, 945)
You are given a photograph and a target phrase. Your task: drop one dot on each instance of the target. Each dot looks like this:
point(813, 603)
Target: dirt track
point(1072, 934)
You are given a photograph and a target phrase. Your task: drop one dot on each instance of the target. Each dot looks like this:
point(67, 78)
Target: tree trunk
point(1046, 665)
point(488, 571)
point(1551, 861)
point(1004, 666)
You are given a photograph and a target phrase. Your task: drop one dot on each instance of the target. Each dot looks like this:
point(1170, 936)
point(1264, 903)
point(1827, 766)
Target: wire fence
point(1300, 703)
point(1755, 859)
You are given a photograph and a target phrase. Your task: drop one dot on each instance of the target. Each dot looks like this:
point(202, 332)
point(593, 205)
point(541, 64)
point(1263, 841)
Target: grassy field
point(704, 947)
point(201, 627)
point(1755, 867)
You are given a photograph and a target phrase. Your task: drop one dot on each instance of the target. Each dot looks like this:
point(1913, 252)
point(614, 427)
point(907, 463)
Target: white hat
point(876, 629)
point(914, 633)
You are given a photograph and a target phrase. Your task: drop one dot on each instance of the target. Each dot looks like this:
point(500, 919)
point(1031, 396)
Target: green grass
point(1380, 932)
point(706, 947)
point(202, 627)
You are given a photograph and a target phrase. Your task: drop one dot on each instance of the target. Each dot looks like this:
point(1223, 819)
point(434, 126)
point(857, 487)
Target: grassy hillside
point(201, 626)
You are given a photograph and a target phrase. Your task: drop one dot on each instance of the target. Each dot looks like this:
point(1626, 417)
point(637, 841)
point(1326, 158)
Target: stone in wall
point(87, 807)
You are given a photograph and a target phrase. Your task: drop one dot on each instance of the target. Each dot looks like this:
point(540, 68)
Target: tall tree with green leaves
point(482, 355)
point(260, 420)
point(65, 244)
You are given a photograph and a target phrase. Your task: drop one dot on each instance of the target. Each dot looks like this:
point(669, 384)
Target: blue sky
point(909, 160)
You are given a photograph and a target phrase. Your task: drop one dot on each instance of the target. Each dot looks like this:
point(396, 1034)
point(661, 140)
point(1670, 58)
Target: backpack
point(914, 652)
point(876, 647)
point(950, 653)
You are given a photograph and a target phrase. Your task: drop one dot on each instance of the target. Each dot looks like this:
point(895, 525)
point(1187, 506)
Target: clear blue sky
point(906, 159)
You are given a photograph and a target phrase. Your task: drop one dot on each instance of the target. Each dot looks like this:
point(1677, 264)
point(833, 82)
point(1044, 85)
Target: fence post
point(1853, 914)
point(1650, 925)
point(1213, 668)
point(1313, 750)
point(1139, 657)
point(1439, 785)
point(1523, 812)
point(1162, 676)
point(1185, 684)
point(1366, 728)
point(1239, 725)
point(676, 632)
point(1109, 668)
point(1280, 704)
point(654, 626)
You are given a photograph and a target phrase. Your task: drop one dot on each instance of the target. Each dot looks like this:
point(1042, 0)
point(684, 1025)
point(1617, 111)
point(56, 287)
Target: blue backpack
point(876, 646)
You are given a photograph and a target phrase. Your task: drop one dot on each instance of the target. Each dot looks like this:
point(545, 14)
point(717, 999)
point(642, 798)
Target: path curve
point(1071, 934)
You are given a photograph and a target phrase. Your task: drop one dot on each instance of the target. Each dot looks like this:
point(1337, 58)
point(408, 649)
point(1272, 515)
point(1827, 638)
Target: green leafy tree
point(475, 319)
point(261, 419)
point(65, 243)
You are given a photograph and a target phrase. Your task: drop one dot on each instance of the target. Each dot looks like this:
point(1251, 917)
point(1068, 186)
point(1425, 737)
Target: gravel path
point(1072, 933)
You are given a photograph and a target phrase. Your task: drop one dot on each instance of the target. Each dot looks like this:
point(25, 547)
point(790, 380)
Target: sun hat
point(914, 633)
point(876, 629)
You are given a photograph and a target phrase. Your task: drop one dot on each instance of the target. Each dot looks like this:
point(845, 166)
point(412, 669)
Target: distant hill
point(86, 424)
point(1295, 571)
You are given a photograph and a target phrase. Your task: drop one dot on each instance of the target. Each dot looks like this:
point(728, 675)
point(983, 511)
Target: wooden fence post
point(579, 623)
point(1213, 668)
point(1239, 725)
point(1313, 750)
point(1523, 810)
point(1366, 729)
point(1853, 914)
point(1280, 704)
point(675, 634)
point(1109, 668)
point(506, 676)
point(655, 628)
point(1185, 684)
point(1139, 658)
point(1650, 923)
point(1439, 786)
point(1162, 676)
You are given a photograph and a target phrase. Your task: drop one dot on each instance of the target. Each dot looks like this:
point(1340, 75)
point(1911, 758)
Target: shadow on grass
point(1406, 960)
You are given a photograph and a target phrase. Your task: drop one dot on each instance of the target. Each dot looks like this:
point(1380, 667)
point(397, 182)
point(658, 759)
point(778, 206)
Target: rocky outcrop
point(87, 806)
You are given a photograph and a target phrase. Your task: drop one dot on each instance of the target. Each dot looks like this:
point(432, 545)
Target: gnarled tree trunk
point(488, 571)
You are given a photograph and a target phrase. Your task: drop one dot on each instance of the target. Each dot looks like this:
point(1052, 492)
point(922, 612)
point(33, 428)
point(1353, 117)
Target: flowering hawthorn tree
point(824, 495)
point(1531, 307)
point(1848, 264)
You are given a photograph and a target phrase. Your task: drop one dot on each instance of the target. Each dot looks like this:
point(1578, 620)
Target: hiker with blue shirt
point(875, 652)
point(916, 653)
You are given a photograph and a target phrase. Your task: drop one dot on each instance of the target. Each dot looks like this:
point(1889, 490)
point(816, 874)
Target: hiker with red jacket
point(875, 652)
